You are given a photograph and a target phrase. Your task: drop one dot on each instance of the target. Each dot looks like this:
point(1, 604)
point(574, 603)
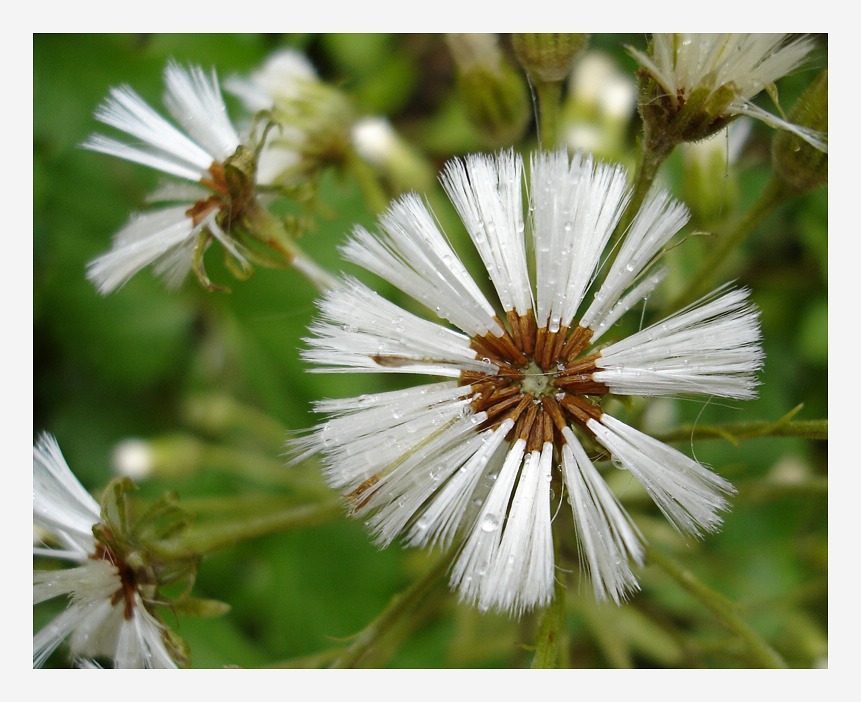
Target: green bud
point(395, 159)
point(548, 57)
point(797, 163)
point(493, 93)
point(197, 607)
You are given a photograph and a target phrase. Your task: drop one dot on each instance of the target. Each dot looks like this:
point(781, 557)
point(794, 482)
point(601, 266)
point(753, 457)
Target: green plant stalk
point(551, 650)
point(767, 490)
point(725, 610)
point(772, 197)
point(260, 469)
point(815, 429)
point(392, 616)
point(208, 538)
point(376, 197)
point(549, 109)
point(312, 660)
point(271, 231)
point(605, 631)
point(220, 414)
point(652, 157)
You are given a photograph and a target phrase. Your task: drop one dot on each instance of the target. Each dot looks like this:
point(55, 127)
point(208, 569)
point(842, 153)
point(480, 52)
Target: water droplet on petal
point(489, 523)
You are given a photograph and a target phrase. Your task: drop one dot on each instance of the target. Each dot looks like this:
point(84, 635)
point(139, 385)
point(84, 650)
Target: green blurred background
point(146, 363)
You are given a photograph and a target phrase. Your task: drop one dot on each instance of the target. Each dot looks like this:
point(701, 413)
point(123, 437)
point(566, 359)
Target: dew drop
point(490, 523)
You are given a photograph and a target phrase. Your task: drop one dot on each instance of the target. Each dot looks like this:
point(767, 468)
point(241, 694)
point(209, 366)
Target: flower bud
point(796, 162)
point(493, 93)
point(174, 457)
point(377, 142)
point(548, 58)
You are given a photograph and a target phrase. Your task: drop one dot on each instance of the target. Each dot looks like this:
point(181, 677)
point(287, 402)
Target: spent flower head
point(112, 585)
point(692, 85)
point(475, 459)
point(206, 152)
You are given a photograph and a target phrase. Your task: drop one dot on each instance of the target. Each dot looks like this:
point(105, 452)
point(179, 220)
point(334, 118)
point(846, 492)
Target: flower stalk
point(726, 611)
point(400, 606)
point(551, 644)
point(201, 540)
point(735, 432)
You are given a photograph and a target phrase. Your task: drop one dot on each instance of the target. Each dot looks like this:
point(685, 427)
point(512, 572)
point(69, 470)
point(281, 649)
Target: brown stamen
point(554, 412)
point(365, 487)
point(128, 581)
point(581, 385)
point(580, 410)
point(523, 428)
point(523, 331)
point(577, 341)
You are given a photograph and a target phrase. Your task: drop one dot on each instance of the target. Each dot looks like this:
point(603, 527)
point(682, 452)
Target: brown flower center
point(541, 383)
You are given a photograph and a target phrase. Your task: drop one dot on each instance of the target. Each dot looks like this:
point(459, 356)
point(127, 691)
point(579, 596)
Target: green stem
point(652, 156)
point(375, 195)
point(815, 429)
point(550, 646)
point(219, 414)
point(713, 267)
point(312, 660)
point(725, 610)
point(604, 627)
point(213, 537)
point(549, 110)
point(767, 490)
point(271, 231)
point(401, 604)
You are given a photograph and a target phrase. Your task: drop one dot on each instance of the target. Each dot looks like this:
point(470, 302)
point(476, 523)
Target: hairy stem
point(213, 537)
point(551, 644)
point(549, 108)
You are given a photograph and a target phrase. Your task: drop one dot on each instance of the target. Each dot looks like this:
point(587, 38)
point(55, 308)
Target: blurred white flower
point(601, 102)
point(307, 122)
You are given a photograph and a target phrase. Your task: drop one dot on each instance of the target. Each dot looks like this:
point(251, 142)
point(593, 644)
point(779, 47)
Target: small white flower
point(278, 80)
point(106, 617)
point(307, 122)
point(195, 152)
point(473, 457)
point(601, 103)
point(742, 64)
